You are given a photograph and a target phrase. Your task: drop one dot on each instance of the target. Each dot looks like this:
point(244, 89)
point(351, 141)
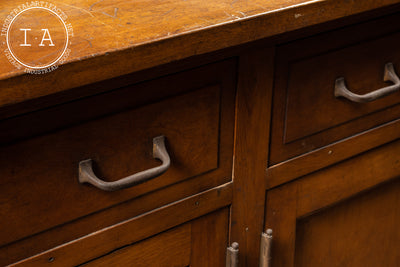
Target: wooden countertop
point(113, 37)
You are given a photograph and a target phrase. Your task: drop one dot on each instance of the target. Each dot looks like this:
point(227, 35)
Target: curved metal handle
point(390, 75)
point(86, 174)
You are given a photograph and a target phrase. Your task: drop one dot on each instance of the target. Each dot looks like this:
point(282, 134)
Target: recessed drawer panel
point(308, 114)
point(39, 187)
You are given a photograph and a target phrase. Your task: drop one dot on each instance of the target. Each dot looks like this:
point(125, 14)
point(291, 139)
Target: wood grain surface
point(112, 38)
point(251, 152)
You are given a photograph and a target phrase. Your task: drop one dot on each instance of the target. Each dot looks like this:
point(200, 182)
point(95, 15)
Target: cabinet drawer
point(307, 114)
point(311, 116)
point(39, 186)
point(171, 248)
point(199, 242)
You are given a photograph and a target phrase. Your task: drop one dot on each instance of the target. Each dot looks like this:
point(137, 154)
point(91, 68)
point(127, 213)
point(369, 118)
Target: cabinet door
point(345, 215)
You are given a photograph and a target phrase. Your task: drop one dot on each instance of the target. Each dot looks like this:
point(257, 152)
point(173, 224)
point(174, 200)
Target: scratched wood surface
point(114, 37)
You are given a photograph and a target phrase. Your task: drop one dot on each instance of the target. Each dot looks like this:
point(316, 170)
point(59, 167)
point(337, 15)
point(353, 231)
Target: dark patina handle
point(389, 76)
point(86, 174)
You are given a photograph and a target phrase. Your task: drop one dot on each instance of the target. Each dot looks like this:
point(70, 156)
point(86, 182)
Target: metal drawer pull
point(86, 174)
point(390, 75)
point(232, 255)
point(265, 249)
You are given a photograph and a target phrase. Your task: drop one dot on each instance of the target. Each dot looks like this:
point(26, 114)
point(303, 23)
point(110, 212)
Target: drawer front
point(171, 248)
point(307, 114)
point(39, 175)
point(200, 242)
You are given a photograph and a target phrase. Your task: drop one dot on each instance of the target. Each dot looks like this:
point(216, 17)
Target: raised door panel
point(344, 215)
point(362, 231)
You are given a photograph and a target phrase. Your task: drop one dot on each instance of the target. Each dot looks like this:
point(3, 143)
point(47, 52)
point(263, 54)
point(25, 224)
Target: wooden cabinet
point(256, 135)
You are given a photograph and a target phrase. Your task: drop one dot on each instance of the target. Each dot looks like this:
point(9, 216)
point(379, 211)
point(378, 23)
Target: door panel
point(344, 215)
point(363, 231)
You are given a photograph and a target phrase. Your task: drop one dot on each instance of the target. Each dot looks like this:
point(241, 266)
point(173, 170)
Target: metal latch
point(232, 255)
point(265, 249)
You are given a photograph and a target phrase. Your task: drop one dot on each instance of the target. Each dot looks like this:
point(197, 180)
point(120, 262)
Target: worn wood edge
point(169, 71)
point(312, 161)
point(171, 215)
point(145, 55)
